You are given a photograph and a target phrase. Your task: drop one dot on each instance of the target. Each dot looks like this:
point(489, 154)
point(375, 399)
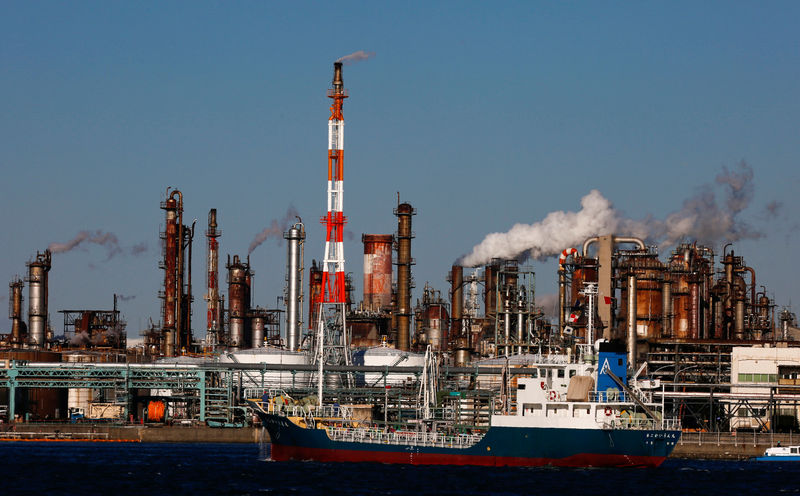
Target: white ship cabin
point(540, 405)
point(557, 377)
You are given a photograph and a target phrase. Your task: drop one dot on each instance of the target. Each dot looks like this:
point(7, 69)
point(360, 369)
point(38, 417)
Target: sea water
point(237, 469)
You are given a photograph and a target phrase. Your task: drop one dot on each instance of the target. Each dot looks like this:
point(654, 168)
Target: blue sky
point(480, 115)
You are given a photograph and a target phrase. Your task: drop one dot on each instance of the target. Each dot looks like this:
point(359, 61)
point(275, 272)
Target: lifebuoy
point(608, 411)
point(544, 386)
point(552, 395)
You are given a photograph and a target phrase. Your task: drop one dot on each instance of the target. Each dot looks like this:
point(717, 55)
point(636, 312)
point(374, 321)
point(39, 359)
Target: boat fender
point(552, 395)
point(608, 411)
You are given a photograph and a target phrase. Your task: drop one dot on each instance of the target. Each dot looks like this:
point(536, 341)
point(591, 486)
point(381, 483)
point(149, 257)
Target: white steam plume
point(701, 218)
point(275, 229)
point(355, 57)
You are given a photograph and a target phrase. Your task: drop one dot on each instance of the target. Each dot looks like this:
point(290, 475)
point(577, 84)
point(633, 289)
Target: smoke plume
point(80, 339)
point(702, 218)
point(275, 229)
point(105, 239)
point(549, 304)
point(773, 209)
point(139, 248)
point(121, 297)
point(356, 57)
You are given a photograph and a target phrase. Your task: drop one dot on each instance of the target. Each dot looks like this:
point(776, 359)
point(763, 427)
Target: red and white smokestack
point(212, 296)
point(565, 255)
point(333, 277)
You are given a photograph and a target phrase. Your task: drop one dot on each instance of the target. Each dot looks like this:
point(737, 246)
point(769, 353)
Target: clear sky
point(480, 114)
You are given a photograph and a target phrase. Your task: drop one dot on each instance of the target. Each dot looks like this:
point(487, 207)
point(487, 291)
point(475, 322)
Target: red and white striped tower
point(214, 319)
point(333, 265)
point(331, 343)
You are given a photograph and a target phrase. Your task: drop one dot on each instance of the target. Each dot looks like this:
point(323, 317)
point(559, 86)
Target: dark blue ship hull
point(501, 446)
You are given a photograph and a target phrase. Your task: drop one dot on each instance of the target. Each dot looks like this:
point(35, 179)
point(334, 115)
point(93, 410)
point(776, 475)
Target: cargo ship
point(579, 427)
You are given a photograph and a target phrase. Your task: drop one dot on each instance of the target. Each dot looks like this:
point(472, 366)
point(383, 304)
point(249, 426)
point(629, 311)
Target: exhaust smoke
point(105, 239)
point(701, 218)
point(275, 229)
point(355, 57)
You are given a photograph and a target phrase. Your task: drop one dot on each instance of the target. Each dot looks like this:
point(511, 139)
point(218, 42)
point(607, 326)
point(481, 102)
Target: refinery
point(697, 328)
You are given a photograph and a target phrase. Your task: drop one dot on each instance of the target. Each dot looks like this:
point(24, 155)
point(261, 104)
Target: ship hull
point(501, 446)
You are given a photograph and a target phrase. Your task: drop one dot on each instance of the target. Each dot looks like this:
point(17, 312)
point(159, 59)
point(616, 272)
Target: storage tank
point(269, 379)
point(385, 356)
point(257, 330)
point(377, 271)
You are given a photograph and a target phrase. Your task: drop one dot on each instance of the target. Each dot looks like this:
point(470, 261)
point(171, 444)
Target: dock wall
point(696, 445)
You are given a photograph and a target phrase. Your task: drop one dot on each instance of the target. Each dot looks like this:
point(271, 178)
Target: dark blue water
point(166, 469)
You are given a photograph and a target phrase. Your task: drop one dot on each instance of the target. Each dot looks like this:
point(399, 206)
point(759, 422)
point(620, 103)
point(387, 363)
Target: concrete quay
point(729, 445)
point(129, 433)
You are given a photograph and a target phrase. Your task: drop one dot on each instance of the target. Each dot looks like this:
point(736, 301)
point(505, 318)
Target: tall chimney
point(214, 318)
point(15, 288)
point(456, 301)
point(296, 236)
point(404, 211)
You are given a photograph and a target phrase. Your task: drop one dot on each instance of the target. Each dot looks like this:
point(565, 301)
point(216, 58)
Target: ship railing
point(406, 438)
point(616, 396)
point(307, 411)
point(639, 423)
point(610, 396)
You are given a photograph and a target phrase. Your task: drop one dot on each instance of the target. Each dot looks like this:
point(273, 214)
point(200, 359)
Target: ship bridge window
point(572, 373)
point(581, 411)
point(534, 373)
point(561, 373)
point(531, 409)
point(543, 372)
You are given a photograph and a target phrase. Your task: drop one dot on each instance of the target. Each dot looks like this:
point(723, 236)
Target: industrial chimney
point(37, 298)
point(295, 236)
point(404, 211)
point(214, 318)
point(15, 288)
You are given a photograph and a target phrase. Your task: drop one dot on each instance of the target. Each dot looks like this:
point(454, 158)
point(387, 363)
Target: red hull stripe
point(284, 453)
